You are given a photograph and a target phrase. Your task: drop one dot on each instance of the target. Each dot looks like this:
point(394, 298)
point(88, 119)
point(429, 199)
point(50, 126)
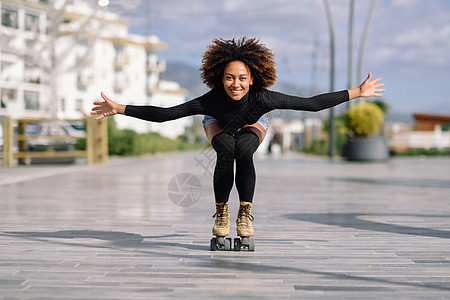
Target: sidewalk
point(323, 230)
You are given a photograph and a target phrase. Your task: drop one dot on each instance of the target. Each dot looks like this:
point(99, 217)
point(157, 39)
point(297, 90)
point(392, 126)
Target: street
point(140, 228)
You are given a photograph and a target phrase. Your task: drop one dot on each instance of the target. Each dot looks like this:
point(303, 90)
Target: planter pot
point(374, 148)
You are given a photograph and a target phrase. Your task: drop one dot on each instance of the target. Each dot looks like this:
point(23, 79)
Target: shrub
point(318, 147)
point(381, 104)
point(423, 152)
point(365, 119)
point(126, 142)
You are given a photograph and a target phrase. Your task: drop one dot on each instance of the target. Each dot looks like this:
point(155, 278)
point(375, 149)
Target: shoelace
point(244, 215)
point(221, 217)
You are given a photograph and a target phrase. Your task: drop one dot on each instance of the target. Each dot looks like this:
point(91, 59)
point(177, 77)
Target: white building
point(93, 52)
point(437, 139)
point(23, 91)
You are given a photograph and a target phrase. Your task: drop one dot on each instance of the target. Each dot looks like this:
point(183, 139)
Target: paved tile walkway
point(323, 230)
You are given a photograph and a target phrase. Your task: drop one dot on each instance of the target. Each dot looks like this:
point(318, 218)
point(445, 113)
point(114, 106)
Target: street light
point(362, 43)
point(350, 49)
point(103, 3)
point(331, 127)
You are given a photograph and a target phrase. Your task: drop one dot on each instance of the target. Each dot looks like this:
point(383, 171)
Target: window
point(79, 105)
point(31, 100)
point(7, 95)
point(32, 74)
point(31, 23)
point(63, 104)
point(10, 18)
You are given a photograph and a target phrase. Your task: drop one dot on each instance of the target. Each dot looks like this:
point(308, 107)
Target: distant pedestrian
point(277, 138)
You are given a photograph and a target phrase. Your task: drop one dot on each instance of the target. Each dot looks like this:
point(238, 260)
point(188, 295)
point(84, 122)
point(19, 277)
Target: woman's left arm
point(369, 88)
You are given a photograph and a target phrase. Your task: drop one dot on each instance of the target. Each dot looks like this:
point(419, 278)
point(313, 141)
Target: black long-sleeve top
point(233, 114)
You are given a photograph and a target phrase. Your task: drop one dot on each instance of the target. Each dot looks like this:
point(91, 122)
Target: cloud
point(408, 39)
point(417, 36)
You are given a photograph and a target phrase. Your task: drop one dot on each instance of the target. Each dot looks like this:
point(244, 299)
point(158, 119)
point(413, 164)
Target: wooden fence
point(96, 142)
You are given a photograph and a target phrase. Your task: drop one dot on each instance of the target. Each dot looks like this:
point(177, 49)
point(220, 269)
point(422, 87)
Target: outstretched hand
point(371, 88)
point(106, 108)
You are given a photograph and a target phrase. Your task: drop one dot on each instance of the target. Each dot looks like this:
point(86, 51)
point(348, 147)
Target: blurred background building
point(56, 57)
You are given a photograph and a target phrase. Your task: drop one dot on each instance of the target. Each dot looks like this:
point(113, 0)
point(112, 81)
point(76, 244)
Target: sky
point(408, 42)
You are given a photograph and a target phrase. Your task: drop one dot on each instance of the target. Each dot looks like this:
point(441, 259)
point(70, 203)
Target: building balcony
point(121, 62)
point(83, 80)
point(118, 87)
point(9, 31)
point(167, 88)
point(149, 91)
point(82, 85)
point(153, 43)
point(34, 80)
point(32, 36)
point(157, 66)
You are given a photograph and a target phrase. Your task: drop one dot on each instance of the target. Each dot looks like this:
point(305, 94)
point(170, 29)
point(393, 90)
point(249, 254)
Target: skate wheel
point(213, 245)
point(237, 244)
point(227, 246)
point(220, 241)
point(251, 245)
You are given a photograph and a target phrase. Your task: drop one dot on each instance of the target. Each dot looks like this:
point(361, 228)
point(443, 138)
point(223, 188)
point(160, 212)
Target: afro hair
point(258, 58)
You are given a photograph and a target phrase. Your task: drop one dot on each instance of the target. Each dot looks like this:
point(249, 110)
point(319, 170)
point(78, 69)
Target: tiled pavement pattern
point(323, 230)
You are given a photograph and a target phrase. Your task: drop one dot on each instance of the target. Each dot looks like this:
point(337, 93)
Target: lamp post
point(332, 134)
point(350, 48)
point(362, 43)
point(332, 137)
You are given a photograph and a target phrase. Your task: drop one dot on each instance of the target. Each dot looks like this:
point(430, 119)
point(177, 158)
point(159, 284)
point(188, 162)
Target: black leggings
point(241, 148)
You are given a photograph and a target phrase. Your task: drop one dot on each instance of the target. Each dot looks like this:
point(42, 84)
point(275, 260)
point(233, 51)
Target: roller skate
point(244, 228)
point(221, 228)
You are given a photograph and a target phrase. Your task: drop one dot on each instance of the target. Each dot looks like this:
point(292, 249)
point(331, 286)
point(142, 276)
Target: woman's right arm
point(148, 113)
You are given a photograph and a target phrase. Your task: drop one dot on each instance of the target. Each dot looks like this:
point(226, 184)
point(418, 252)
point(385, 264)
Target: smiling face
point(237, 80)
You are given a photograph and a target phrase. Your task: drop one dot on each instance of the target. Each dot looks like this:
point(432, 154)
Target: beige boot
point(244, 218)
point(222, 223)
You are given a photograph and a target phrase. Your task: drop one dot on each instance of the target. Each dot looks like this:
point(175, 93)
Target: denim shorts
point(264, 121)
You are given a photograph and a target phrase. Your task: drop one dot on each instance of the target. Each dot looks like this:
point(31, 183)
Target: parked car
point(79, 126)
point(1, 138)
point(52, 136)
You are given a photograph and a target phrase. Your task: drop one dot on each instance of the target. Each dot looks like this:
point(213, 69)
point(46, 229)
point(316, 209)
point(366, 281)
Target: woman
point(238, 72)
